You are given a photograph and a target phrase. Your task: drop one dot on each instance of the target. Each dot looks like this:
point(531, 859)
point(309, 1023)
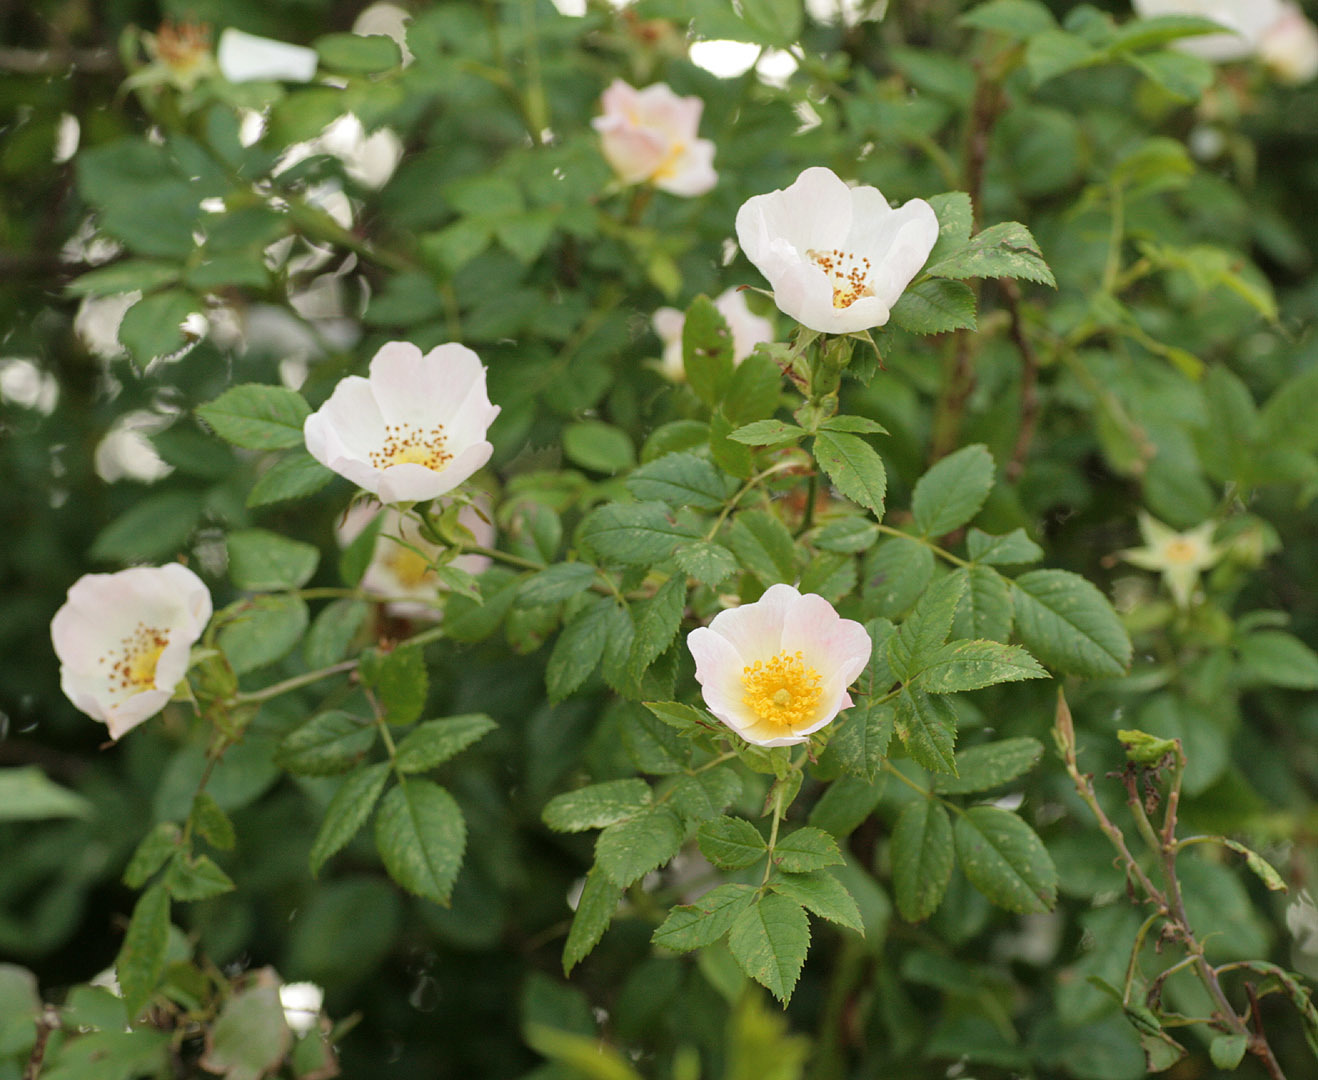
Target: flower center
point(667, 168)
point(406, 445)
point(411, 569)
point(783, 692)
point(183, 46)
point(848, 274)
point(1181, 551)
point(133, 665)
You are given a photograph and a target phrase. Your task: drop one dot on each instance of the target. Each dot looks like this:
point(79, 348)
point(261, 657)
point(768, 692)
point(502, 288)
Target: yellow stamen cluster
point(848, 275)
point(1181, 551)
point(783, 692)
point(133, 665)
point(406, 445)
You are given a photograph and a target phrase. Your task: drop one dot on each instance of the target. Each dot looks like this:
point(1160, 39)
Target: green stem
point(942, 553)
point(1133, 965)
point(254, 697)
point(502, 556)
point(746, 487)
point(773, 835)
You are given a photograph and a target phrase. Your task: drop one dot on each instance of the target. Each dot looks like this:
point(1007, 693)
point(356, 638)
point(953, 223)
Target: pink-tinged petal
point(718, 670)
point(125, 716)
point(692, 173)
point(617, 99)
point(677, 117)
point(635, 154)
point(756, 630)
point(813, 212)
point(834, 646)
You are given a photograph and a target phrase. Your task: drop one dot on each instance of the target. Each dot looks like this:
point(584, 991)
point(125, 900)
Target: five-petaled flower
point(747, 328)
point(777, 670)
point(124, 640)
point(411, 431)
point(402, 566)
point(837, 257)
point(649, 136)
point(1179, 556)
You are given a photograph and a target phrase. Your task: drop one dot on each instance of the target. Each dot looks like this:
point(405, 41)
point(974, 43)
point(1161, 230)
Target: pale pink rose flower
point(246, 58)
point(1289, 47)
point(649, 136)
point(402, 572)
point(411, 431)
point(748, 330)
point(124, 640)
point(1245, 22)
point(837, 257)
point(777, 670)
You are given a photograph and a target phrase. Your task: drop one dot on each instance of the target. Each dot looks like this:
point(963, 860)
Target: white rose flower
point(1245, 20)
point(401, 572)
point(778, 669)
point(837, 257)
point(649, 136)
point(1289, 47)
point(748, 330)
point(123, 640)
point(248, 58)
point(411, 431)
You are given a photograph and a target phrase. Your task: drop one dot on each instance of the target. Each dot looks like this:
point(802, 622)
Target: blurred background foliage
point(497, 230)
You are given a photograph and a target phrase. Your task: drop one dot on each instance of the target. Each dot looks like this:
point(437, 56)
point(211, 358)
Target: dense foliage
point(456, 763)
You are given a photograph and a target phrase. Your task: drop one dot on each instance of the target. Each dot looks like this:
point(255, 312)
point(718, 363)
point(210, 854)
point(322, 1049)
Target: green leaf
point(819, 891)
point(635, 534)
point(679, 480)
point(705, 795)
point(263, 561)
point(769, 940)
point(257, 417)
point(153, 327)
point(141, 959)
point(628, 850)
point(693, 926)
point(265, 630)
point(731, 843)
point(292, 477)
point(1180, 74)
point(767, 433)
point(599, 900)
point(1055, 52)
point(251, 1036)
point(154, 850)
point(155, 529)
point(1004, 250)
point(1263, 869)
point(556, 583)
point(198, 878)
point(1228, 1051)
point(347, 812)
point(849, 535)
point(400, 682)
point(806, 849)
point(127, 275)
point(927, 726)
point(1005, 860)
point(1069, 625)
point(952, 492)
point(330, 743)
point(854, 467)
point(774, 22)
point(922, 633)
point(895, 573)
point(707, 351)
point(858, 425)
point(861, 743)
point(1150, 32)
point(211, 823)
point(27, 794)
point(596, 806)
point(580, 646)
point(935, 306)
point(830, 575)
point(1020, 19)
point(985, 610)
point(421, 835)
point(921, 859)
point(333, 632)
point(707, 562)
point(598, 446)
point(1278, 659)
point(970, 665)
point(991, 765)
point(358, 53)
point(683, 718)
point(764, 546)
point(1013, 549)
point(578, 1055)
point(955, 218)
point(657, 622)
point(435, 741)
point(754, 391)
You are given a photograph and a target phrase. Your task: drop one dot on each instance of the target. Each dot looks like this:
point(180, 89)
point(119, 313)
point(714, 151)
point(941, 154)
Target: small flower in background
point(413, 430)
point(1245, 20)
point(388, 20)
point(1289, 47)
point(778, 669)
point(368, 159)
point(837, 257)
point(125, 452)
point(748, 330)
point(247, 58)
point(180, 54)
point(649, 136)
point(123, 640)
point(1178, 556)
point(404, 570)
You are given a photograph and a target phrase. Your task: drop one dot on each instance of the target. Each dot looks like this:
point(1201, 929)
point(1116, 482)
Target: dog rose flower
point(246, 58)
point(411, 431)
point(836, 257)
point(778, 669)
point(748, 330)
point(1178, 556)
point(649, 136)
point(403, 572)
point(123, 641)
point(1244, 21)
point(1289, 47)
